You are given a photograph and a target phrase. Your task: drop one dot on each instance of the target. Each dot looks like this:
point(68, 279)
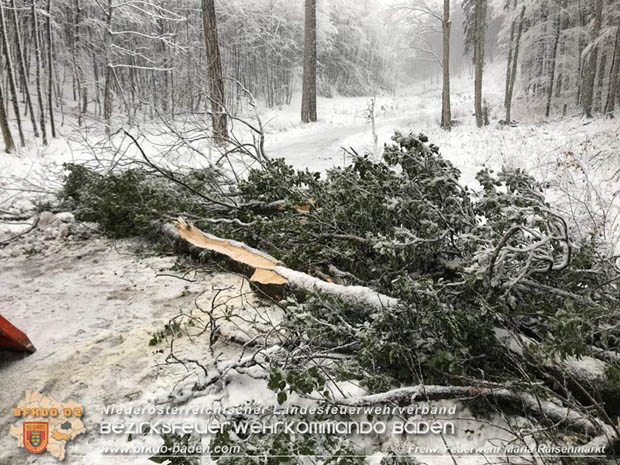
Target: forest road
point(323, 148)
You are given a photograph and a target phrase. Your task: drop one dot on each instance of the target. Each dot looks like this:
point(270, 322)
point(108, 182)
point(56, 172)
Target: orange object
point(13, 339)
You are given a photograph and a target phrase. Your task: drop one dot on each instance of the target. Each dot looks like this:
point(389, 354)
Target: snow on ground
point(576, 157)
point(91, 305)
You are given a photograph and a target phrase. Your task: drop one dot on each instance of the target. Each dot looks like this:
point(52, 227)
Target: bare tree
point(77, 47)
point(480, 11)
point(553, 65)
point(423, 18)
point(513, 69)
point(308, 105)
point(37, 54)
point(214, 70)
point(22, 68)
point(108, 96)
point(446, 111)
point(50, 69)
point(614, 77)
point(9, 145)
point(591, 56)
point(11, 75)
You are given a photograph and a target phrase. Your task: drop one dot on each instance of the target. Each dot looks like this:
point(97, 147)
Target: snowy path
point(90, 307)
point(323, 145)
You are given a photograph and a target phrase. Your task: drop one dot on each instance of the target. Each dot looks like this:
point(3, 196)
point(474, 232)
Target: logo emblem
point(35, 436)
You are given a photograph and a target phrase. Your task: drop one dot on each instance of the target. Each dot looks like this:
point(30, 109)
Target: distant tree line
point(566, 53)
point(560, 54)
point(123, 62)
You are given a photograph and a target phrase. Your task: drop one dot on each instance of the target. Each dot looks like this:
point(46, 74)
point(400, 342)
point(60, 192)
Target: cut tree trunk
point(269, 271)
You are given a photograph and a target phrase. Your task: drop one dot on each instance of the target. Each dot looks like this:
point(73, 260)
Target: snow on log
point(359, 294)
point(269, 270)
point(587, 370)
point(545, 411)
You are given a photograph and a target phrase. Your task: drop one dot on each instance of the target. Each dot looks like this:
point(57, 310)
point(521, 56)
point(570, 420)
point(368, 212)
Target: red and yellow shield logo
point(35, 436)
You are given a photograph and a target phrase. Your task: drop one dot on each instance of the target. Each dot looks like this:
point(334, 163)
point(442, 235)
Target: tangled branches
point(491, 291)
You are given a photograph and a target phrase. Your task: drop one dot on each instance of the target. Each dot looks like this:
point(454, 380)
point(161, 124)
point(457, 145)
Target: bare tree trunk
point(50, 69)
point(590, 70)
point(214, 71)
point(9, 145)
point(554, 57)
point(446, 110)
point(308, 105)
point(602, 71)
point(11, 75)
point(479, 33)
point(22, 69)
point(614, 78)
point(82, 104)
point(37, 54)
point(513, 27)
point(564, 23)
point(513, 74)
point(580, 59)
point(108, 96)
point(97, 83)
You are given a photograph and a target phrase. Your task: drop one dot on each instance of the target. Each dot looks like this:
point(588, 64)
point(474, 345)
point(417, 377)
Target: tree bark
point(9, 145)
point(11, 75)
point(22, 69)
point(479, 35)
point(50, 69)
point(589, 79)
point(513, 74)
point(446, 110)
point(214, 70)
point(308, 105)
point(267, 270)
point(602, 71)
point(82, 104)
point(614, 78)
point(108, 96)
point(564, 24)
point(37, 54)
point(513, 28)
point(556, 43)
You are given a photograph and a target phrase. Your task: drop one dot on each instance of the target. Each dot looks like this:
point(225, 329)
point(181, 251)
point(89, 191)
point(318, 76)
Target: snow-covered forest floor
point(560, 150)
point(91, 305)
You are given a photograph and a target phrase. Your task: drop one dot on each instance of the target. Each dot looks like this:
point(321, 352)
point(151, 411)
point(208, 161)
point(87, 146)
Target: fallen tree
point(404, 278)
